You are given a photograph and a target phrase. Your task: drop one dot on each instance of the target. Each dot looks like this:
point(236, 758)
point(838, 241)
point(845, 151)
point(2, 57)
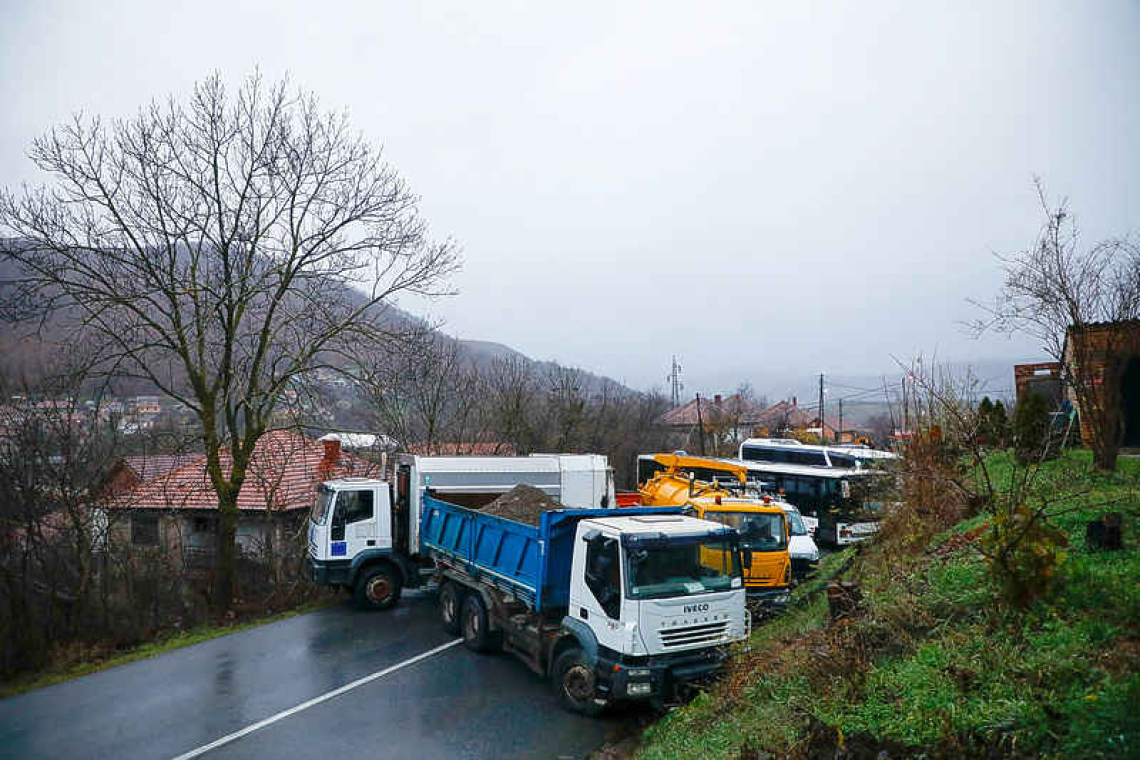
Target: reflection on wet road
point(453, 703)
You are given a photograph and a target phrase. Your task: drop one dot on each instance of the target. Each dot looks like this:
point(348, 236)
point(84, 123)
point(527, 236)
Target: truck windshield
point(682, 570)
point(759, 531)
point(321, 509)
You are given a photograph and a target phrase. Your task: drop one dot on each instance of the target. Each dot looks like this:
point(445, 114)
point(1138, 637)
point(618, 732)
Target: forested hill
point(28, 349)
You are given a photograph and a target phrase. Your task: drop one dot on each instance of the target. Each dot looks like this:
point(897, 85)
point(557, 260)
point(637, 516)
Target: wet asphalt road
point(452, 704)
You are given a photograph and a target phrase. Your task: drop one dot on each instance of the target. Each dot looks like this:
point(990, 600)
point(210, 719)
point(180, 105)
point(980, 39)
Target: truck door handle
point(582, 613)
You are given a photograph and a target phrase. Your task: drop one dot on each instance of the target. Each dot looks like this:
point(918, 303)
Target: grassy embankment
point(935, 664)
point(85, 663)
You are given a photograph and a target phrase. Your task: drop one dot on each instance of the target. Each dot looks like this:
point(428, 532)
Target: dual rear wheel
point(464, 613)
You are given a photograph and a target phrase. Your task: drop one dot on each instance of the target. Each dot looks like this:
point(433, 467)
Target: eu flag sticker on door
point(339, 549)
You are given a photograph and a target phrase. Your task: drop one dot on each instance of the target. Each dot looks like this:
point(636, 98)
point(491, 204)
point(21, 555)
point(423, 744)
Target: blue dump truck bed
point(532, 563)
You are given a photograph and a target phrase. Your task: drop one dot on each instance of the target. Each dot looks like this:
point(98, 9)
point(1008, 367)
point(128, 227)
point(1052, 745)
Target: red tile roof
point(151, 466)
point(283, 475)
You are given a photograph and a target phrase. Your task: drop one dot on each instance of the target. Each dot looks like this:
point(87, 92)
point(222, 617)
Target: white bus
point(847, 502)
point(791, 451)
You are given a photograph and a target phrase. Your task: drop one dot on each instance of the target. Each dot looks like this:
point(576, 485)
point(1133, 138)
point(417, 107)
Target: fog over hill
point(29, 349)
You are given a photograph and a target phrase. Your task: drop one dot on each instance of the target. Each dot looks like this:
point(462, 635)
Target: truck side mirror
point(746, 558)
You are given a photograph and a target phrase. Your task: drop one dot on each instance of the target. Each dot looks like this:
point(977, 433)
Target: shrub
point(1023, 551)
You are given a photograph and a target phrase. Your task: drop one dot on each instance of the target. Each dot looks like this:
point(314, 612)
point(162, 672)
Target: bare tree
point(214, 249)
point(1059, 292)
point(424, 390)
point(512, 393)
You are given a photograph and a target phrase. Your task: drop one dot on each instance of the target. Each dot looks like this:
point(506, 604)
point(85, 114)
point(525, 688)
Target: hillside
point(23, 354)
point(932, 662)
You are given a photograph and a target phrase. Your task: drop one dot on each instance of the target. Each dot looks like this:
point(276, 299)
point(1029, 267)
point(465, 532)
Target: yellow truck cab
point(762, 525)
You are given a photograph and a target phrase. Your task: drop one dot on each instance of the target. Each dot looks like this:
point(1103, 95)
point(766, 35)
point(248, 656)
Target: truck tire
point(576, 684)
point(477, 634)
point(377, 588)
point(451, 607)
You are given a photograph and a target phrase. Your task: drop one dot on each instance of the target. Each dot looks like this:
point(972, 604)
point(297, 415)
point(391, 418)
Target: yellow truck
point(762, 524)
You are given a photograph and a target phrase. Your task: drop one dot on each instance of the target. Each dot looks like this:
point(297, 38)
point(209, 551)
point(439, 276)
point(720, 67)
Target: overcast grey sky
point(767, 190)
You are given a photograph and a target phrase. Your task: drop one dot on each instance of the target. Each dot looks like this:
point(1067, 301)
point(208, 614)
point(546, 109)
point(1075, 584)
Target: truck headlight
point(639, 689)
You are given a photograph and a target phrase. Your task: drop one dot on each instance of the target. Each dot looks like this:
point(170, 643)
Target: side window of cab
point(351, 507)
point(603, 574)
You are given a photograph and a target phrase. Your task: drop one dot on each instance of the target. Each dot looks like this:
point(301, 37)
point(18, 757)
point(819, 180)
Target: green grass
point(150, 649)
point(937, 664)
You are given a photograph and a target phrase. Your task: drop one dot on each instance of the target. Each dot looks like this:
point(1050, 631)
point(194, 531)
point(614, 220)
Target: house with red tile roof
point(178, 510)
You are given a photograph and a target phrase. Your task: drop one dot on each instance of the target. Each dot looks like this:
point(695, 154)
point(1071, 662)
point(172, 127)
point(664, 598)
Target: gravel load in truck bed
point(523, 503)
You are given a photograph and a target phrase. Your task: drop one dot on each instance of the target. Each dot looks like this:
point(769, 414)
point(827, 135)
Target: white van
point(801, 548)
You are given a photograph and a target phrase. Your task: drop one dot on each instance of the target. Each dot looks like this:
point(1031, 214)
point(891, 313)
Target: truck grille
point(693, 634)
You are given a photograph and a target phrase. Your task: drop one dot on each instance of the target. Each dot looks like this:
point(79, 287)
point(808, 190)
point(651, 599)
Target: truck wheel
point(576, 684)
point(377, 588)
point(451, 607)
point(477, 634)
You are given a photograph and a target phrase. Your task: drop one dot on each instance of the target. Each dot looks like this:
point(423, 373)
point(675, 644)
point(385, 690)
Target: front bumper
point(769, 596)
point(658, 678)
point(802, 567)
point(328, 572)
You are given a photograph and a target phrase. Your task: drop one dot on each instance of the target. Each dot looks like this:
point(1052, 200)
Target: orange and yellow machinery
point(762, 523)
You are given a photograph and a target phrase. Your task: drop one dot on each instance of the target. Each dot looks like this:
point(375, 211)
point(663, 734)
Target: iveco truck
point(611, 605)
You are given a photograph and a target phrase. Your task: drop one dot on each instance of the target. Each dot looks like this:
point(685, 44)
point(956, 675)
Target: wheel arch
point(371, 558)
point(575, 635)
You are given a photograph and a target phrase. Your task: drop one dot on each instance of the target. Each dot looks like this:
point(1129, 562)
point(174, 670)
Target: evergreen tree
point(1031, 429)
point(1000, 422)
point(985, 423)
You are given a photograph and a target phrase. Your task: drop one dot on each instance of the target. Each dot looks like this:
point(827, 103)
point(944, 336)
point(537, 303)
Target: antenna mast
point(675, 383)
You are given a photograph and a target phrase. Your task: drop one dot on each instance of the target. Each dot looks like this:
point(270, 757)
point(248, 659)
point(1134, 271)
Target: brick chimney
point(716, 399)
point(331, 457)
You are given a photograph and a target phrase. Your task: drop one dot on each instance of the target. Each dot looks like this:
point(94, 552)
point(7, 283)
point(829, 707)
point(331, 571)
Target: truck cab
point(660, 595)
point(762, 524)
point(764, 532)
point(658, 575)
point(351, 542)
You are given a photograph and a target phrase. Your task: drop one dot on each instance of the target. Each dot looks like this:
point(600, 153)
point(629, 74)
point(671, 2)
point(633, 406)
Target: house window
point(144, 530)
point(205, 525)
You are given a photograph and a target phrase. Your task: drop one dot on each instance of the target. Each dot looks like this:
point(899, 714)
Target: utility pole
point(822, 429)
point(700, 426)
point(839, 432)
point(890, 411)
point(906, 407)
